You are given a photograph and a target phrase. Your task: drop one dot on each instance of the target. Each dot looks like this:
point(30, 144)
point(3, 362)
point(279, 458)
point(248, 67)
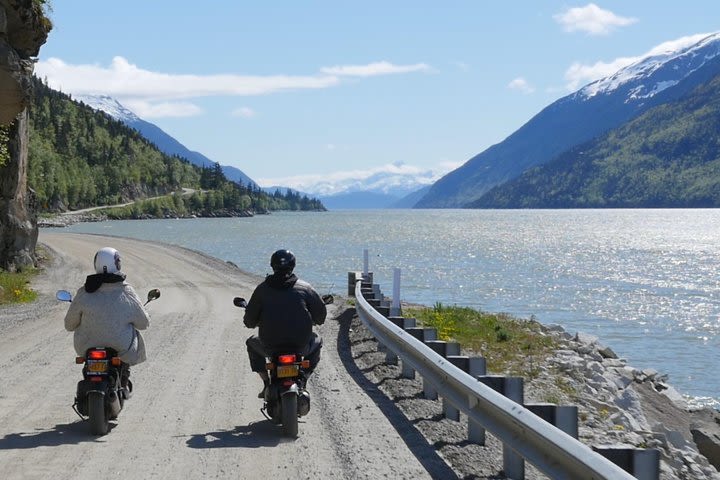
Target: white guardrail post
point(552, 451)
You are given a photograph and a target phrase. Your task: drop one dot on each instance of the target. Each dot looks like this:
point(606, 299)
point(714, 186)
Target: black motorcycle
point(286, 399)
point(100, 394)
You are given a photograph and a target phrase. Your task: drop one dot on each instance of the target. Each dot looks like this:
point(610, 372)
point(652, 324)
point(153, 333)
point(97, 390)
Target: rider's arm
point(316, 307)
point(140, 318)
point(74, 313)
point(251, 319)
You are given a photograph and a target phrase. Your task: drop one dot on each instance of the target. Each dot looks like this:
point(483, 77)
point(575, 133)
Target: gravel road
point(194, 413)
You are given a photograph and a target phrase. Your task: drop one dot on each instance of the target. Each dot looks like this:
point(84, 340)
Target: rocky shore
point(66, 219)
point(617, 405)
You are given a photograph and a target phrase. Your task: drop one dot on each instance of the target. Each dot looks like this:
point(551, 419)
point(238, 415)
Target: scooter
point(100, 395)
point(285, 397)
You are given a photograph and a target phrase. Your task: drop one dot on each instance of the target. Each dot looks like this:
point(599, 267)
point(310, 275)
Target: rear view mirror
point(153, 294)
point(64, 296)
point(328, 299)
point(239, 302)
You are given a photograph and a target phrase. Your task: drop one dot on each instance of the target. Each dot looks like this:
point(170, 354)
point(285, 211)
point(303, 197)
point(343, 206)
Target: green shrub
point(509, 345)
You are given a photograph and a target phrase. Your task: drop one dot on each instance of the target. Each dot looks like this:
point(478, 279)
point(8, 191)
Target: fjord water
point(646, 282)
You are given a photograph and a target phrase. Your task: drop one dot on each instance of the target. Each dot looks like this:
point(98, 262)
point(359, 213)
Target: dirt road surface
point(195, 411)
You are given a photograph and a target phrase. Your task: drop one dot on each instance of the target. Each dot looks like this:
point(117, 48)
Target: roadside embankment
point(617, 405)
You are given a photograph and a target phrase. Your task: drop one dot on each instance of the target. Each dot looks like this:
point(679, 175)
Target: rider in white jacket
point(106, 312)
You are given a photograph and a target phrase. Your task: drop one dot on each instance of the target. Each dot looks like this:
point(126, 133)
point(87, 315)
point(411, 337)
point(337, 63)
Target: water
point(646, 282)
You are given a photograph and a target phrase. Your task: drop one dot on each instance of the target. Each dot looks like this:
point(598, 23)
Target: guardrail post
point(473, 366)
point(395, 307)
point(512, 388)
point(563, 417)
point(366, 263)
point(390, 357)
point(644, 464)
point(378, 293)
point(422, 334)
point(443, 349)
point(352, 278)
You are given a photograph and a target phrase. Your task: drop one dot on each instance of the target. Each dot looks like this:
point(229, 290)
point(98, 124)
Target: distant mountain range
point(571, 121)
point(165, 143)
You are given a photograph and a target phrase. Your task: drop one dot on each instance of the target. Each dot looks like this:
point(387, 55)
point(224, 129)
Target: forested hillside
point(79, 158)
point(667, 157)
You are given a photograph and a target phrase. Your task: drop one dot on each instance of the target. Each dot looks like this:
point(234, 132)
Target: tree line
point(80, 158)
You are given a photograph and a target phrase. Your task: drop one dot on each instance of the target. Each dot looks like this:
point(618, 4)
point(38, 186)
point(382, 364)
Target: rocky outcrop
point(23, 30)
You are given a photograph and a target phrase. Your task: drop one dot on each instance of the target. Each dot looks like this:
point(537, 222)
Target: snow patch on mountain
point(108, 105)
point(669, 63)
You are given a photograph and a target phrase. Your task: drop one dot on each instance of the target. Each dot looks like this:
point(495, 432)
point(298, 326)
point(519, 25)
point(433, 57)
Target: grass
point(510, 345)
point(15, 287)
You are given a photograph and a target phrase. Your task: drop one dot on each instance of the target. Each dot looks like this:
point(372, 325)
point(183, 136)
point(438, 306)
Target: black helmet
point(282, 261)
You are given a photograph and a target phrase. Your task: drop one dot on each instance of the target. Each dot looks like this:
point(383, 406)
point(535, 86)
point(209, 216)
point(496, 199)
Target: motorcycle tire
point(289, 415)
point(99, 423)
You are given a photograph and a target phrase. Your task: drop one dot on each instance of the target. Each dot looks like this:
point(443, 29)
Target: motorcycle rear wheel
point(99, 423)
point(289, 415)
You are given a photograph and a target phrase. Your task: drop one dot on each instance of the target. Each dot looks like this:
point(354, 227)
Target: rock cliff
point(23, 30)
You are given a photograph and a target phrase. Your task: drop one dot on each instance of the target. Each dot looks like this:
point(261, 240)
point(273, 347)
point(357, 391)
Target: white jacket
point(109, 317)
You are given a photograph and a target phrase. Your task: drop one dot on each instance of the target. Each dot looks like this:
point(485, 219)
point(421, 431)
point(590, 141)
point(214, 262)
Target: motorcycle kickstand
point(74, 407)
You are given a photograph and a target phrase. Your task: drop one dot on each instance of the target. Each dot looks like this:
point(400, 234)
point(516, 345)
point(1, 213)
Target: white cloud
point(579, 74)
point(521, 85)
point(156, 94)
point(373, 69)
point(123, 79)
point(244, 112)
point(462, 66)
point(145, 109)
point(591, 19)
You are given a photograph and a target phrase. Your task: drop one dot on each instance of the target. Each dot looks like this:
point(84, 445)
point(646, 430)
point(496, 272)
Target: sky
point(293, 92)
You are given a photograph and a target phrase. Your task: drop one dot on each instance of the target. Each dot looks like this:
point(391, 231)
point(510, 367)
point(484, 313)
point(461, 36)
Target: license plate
point(284, 371)
point(97, 366)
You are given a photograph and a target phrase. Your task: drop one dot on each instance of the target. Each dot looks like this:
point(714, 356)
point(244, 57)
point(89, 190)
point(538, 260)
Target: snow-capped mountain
point(605, 104)
point(381, 187)
point(656, 73)
point(166, 143)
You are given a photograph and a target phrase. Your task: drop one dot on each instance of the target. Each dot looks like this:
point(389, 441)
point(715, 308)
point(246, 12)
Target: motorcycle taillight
point(285, 359)
point(97, 354)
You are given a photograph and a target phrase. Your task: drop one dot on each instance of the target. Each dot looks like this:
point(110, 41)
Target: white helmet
point(107, 260)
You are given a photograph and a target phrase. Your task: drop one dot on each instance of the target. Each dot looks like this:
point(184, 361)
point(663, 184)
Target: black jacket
point(285, 310)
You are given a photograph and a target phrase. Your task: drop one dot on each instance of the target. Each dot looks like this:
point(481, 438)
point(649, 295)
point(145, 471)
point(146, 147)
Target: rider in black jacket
point(285, 309)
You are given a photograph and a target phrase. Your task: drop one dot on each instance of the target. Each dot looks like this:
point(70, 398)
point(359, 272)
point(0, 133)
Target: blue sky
point(290, 92)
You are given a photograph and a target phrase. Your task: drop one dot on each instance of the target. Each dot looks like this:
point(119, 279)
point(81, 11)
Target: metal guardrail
point(552, 451)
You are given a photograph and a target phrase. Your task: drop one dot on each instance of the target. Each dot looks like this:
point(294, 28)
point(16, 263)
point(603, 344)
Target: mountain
point(381, 187)
point(667, 157)
point(578, 118)
point(409, 200)
point(165, 143)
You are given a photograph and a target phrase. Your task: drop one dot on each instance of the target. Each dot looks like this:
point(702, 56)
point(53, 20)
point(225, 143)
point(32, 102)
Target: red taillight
point(97, 354)
point(79, 360)
point(284, 359)
point(96, 379)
